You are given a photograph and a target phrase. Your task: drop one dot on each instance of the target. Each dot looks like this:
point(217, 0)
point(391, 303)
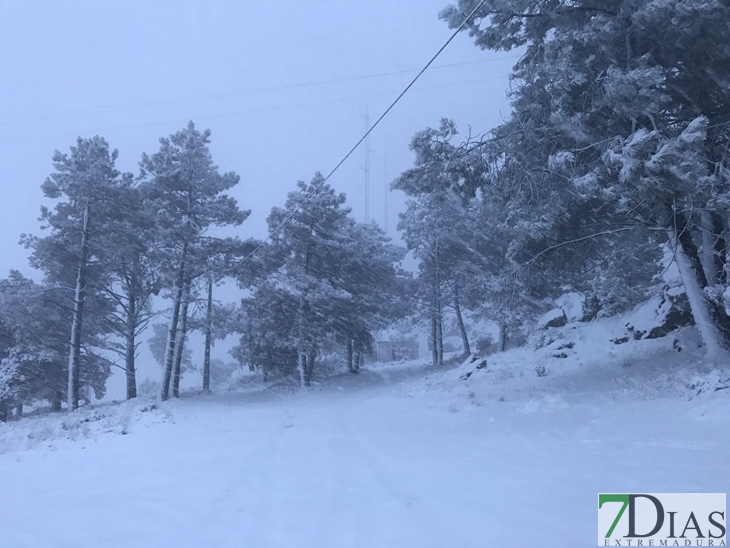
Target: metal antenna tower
point(366, 168)
point(385, 194)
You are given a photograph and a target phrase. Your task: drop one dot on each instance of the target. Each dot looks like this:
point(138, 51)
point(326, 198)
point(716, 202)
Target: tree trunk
point(301, 343)
point(172, 331)
point(208, 336)
point(720, 250)
point(310, 359)
point(180, 341)
point(712, 321)
point(301, 353)
point(302, 366)
point(440, 338)
point(74, 358)
point(502, 344)
point(19, 411)
point(56, 402)
point(3, 414)
point(434, 340)
point(460, 321)
point(439, 307)
point(131, 346)
point(711, 263)
point(350, 364)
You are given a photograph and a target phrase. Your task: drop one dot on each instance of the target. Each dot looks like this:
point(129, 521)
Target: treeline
point(614, 163)
point(113, 241)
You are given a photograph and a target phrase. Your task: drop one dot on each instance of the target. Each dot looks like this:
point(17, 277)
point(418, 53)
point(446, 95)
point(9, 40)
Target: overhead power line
point(239, 112)
point(23, 118)
point(369, 131)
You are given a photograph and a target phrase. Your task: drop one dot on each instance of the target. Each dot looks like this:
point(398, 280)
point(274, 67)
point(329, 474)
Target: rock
point(554, 318)
point(661, 315)
point(573, 305)
point(678, 315)
point(578, 307)
point(591, 308)
point(676, 345)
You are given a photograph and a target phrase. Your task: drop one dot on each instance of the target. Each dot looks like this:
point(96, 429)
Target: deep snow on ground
point(402, 455)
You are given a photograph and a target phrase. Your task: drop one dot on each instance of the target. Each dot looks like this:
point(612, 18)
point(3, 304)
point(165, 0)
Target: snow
point(401, 455)
point(573, 305)
point(650, 314)
point(548, 317)
point(50, 432)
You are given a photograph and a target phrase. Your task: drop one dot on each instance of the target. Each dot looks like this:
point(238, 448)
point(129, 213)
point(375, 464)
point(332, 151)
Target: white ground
point(398, 456)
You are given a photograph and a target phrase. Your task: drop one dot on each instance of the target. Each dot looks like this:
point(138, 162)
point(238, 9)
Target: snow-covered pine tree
point(322, 276)
point(267, 321)
point(305, 243)
point(33, 344)
point(438, 227)
point(130, 256)
point(369, 273)
point(85, 183)
point(185, 188)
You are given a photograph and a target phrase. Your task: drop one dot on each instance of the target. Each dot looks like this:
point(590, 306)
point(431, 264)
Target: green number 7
point(614, 498)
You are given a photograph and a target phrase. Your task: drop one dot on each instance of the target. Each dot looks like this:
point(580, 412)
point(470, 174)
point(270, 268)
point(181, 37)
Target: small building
point(384, 351)
point(389, 349)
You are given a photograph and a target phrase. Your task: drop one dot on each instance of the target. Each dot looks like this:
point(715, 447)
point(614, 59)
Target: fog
point(283, 86)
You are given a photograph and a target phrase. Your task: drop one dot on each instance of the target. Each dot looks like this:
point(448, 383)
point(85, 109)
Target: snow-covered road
point(362, 465)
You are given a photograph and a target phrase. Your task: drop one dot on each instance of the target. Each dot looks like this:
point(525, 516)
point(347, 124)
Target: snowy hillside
point(589, 360)
point(400, 455)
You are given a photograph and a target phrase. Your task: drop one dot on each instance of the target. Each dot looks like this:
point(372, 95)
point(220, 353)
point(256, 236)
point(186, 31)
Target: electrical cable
point(239, 112)
point(314, 191)
point(17, 119)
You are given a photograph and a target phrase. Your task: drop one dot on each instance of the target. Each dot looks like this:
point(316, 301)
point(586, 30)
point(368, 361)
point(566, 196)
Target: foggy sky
point(136, 70)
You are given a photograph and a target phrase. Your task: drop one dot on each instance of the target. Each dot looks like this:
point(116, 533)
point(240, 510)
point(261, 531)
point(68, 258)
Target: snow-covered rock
point(581, 358)
point(660, 315)
point(573, 304)
point(555, 318)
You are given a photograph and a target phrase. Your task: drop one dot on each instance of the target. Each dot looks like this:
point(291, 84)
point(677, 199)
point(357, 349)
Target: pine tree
point(305, 243)
point(33, 344)
point(186, 189)
point(86, 183)
point(130, 255)
point(321, 277)
point(437, 227)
